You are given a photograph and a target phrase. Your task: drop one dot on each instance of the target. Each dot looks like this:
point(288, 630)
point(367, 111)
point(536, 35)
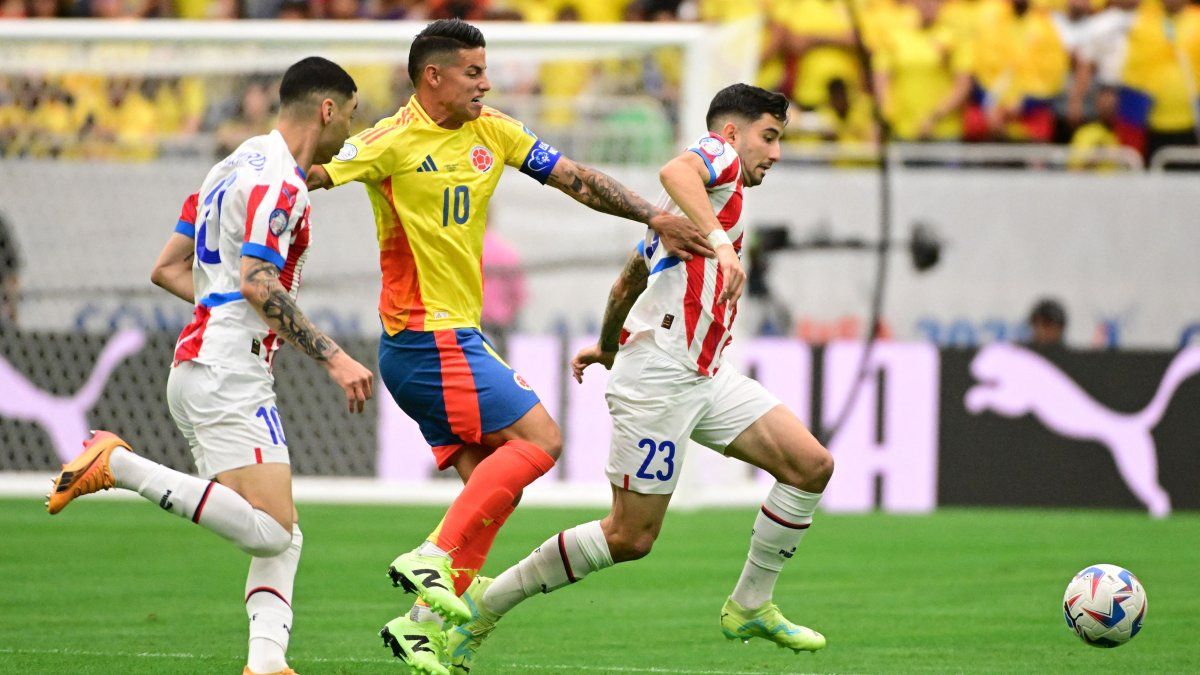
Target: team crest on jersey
point(521, 382)
point(348, 152)
point(712, 146)
point(278, 222)
point(481, 159)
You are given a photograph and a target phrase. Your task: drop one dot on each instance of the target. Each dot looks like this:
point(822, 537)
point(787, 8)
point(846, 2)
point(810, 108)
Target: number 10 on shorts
point(664, 453)
point(274, 425)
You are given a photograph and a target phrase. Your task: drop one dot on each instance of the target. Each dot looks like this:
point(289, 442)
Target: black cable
point(885, 227)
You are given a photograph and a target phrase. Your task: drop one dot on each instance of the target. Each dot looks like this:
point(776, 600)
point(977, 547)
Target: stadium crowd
point(1090, 73)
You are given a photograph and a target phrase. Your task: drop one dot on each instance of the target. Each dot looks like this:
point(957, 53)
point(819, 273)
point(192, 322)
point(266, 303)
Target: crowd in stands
point(1091, 73)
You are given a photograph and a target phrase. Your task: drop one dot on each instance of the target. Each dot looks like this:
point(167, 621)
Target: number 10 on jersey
point(461, 205)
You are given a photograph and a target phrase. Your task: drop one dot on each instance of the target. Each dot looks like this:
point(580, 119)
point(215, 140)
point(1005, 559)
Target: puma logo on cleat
point(166, 502)
point(431, 578)
point(417, 643)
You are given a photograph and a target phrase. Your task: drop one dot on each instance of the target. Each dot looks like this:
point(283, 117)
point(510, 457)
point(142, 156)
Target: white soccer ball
point(1105, 605)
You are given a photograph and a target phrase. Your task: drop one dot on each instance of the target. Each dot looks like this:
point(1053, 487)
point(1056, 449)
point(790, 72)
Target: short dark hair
point(438, 38)
point(1049, 310)
point(747, 102)
point(314, 75)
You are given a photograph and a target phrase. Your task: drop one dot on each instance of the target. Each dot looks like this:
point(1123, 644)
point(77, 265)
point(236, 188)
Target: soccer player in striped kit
point(242, 268)
point(665, 327)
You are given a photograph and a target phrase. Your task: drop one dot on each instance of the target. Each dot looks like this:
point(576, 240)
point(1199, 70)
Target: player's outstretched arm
point(624, 293)
point(318, 178)
point(603, 193)
point(684, 178)
point(173, 270)
point(262, 289)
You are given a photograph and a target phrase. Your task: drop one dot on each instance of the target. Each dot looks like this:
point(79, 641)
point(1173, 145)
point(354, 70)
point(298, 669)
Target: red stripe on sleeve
point(188, 212)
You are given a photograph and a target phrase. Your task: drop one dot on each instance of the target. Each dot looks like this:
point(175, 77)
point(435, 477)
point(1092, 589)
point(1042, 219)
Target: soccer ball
point(1105, 605)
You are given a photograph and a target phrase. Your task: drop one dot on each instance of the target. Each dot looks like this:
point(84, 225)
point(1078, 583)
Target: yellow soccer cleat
point(767, 622)
point(419, 644)
point(462, 642)
point(429, 576)
point(87, 473)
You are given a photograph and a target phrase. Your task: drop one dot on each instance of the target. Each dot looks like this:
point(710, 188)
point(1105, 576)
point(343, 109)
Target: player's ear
point(730, 131)
point(327, 108)
point(431, 74)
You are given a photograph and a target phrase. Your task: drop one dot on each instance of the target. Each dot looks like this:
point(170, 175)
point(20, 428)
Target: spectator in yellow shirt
point(1163, 63)
point(811, 42)
point(1021, 64)
point(847, 117)
point(1100, 133)
point(923, 79)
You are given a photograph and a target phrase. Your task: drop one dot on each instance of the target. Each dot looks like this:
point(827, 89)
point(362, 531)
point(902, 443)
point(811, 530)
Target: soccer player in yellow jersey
point(430, 171)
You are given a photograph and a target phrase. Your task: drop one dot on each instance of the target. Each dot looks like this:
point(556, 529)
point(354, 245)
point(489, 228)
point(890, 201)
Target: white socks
point(563, 559)
point(204, 502)
point(781, 523)
point(269, 587)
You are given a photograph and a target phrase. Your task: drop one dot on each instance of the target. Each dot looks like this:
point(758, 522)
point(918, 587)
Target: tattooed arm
point(262, 289)
point(173, 270)
point(603, 193)
point(624, 293)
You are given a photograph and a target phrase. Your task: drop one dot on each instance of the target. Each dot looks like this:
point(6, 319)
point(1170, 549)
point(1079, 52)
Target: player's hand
point(732, 272)
point(589, 355)
point(354, 379)
point(681, 236)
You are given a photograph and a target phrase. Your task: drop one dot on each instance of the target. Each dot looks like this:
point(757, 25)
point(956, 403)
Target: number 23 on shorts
point(667, 450)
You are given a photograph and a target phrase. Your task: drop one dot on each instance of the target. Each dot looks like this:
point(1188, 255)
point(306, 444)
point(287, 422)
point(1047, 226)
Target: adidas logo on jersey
point(427, 165)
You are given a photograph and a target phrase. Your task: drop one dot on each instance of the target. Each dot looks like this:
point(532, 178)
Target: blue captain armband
point(540, 161)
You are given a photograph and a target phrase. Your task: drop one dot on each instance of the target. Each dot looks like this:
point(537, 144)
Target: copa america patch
point(348, 152)
point(521, 382)
point(278, 222)
point(481, 159)
point(712, 146)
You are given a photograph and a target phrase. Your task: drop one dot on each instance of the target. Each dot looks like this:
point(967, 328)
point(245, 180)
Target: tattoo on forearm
point(603, 193)
point(624, 293)
point(284, 316)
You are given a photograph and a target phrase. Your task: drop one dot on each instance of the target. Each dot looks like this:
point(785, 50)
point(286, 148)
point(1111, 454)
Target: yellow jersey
point(429, 188)
point(922, 65)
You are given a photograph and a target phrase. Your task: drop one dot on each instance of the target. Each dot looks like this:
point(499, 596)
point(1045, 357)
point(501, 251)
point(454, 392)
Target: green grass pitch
point(117, 587)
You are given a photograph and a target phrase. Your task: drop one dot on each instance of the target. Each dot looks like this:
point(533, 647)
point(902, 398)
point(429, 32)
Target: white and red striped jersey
point(680, 304)
point(253, 203)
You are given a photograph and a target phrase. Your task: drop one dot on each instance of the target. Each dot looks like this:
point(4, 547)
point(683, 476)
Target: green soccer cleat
point(419, 644)
point(462, 642)
point(430, 578)
point(767, 622)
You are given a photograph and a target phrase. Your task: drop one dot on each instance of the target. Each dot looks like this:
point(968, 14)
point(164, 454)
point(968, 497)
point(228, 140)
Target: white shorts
point(657, 404)
point(228, 417)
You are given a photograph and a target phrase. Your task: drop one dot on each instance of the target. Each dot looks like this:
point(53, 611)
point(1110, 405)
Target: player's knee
point(550, 440)
point(625, 546)
point(809, 471)
point(270, 539)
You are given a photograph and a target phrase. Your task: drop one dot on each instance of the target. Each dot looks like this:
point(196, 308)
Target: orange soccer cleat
point(87, 473)
point(285, 671)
